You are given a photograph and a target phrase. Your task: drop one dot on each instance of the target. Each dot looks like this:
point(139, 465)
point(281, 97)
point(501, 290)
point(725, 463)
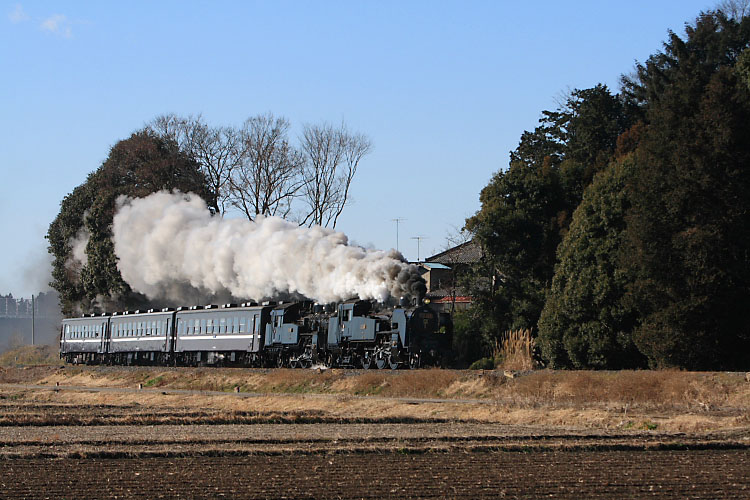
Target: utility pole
point(419, 240)
point(397, 220)
point(33, 317)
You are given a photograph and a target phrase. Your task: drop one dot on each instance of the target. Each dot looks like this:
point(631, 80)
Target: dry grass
point(630, 400)
point(515, 349)
point(30, 355)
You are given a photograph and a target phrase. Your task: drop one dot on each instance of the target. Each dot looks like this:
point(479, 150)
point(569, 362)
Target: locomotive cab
point(292, 334)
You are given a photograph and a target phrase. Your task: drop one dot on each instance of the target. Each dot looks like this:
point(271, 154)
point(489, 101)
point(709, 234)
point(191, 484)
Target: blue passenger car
point(221, 335)
point(82, 339)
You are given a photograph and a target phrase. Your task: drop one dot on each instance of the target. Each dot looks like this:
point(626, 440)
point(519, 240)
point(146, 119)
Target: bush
point(483, 364)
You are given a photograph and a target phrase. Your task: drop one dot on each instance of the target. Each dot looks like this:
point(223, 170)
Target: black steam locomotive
point(355, 333)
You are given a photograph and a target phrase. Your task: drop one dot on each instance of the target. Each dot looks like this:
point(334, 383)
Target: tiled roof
point(465, 253)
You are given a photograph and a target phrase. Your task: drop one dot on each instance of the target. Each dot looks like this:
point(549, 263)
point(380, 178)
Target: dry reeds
point(515, 350)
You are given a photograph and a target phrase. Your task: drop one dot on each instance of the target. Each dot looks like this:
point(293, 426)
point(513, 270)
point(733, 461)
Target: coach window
point(223, 325)
point(197, 325)
point(242, 324)
point(236, 325)
point(208, 325)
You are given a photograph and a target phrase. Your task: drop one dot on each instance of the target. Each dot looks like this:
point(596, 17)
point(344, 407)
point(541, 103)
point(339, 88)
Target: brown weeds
point(515, 350)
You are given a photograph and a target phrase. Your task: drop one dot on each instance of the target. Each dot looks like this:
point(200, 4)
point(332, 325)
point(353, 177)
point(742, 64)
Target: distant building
point(441, 273)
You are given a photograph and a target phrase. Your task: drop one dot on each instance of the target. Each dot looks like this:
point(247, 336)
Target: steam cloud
point(169, 246)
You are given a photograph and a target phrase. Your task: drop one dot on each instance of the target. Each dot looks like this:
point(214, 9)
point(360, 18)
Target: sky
point(443, 89)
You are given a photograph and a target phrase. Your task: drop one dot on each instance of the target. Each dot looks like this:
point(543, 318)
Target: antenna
point(397, 220)
point(419, 240)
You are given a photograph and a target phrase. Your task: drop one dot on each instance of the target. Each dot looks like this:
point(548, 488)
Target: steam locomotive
point(355, 333)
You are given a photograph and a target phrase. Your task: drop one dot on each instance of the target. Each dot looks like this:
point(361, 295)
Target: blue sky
point(443, 89)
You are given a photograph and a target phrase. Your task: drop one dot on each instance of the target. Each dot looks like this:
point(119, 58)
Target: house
point(441, 272)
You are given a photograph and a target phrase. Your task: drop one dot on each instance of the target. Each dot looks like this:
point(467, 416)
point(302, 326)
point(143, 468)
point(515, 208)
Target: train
point(299, 334)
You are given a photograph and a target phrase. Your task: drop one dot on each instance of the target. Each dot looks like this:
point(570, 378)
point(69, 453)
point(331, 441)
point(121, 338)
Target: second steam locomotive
point(355, 333)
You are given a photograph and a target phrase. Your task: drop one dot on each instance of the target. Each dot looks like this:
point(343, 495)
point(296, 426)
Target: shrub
point(483, 364)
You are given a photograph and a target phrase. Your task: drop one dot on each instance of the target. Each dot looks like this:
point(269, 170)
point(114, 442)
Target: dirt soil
point(72, 432)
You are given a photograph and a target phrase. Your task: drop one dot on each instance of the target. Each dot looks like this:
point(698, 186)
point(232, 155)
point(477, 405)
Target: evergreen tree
point(136, 167)
point(688, 233)
point(526, 209)
point(586, 322)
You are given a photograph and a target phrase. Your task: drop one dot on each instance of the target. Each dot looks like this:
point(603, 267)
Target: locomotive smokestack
point(420, 290)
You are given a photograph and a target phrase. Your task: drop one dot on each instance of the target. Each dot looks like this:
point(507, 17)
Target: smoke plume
point(169, 247)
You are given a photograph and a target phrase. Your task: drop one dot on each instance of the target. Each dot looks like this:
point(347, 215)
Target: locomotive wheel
point(280, 361)
point(414, 361)
point(393, 362)
point(293, 363)
point(366, 361)
point(380, 362)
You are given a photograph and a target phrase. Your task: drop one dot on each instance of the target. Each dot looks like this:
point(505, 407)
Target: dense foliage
point(653, 269)
point(526, 209)
point(85, 267)
point(689, 227)
point(586, 321)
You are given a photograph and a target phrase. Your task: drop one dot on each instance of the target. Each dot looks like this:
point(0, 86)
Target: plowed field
point(95, 441)
point(558, 474)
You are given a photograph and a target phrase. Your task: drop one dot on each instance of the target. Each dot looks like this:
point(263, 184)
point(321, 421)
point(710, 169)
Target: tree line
point(255, 169)
point(620, 230)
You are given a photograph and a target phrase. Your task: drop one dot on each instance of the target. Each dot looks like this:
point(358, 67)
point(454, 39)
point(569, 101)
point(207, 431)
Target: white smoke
point(169, 241)
point(78, 257)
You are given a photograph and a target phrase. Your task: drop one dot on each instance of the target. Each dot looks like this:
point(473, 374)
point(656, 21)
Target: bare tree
point(217, 150)
point(258, 171)
point(270, 173)
point(332, 156)
point(734, 9)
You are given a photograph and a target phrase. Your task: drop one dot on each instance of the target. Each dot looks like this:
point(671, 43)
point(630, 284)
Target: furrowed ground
point(219, 432)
